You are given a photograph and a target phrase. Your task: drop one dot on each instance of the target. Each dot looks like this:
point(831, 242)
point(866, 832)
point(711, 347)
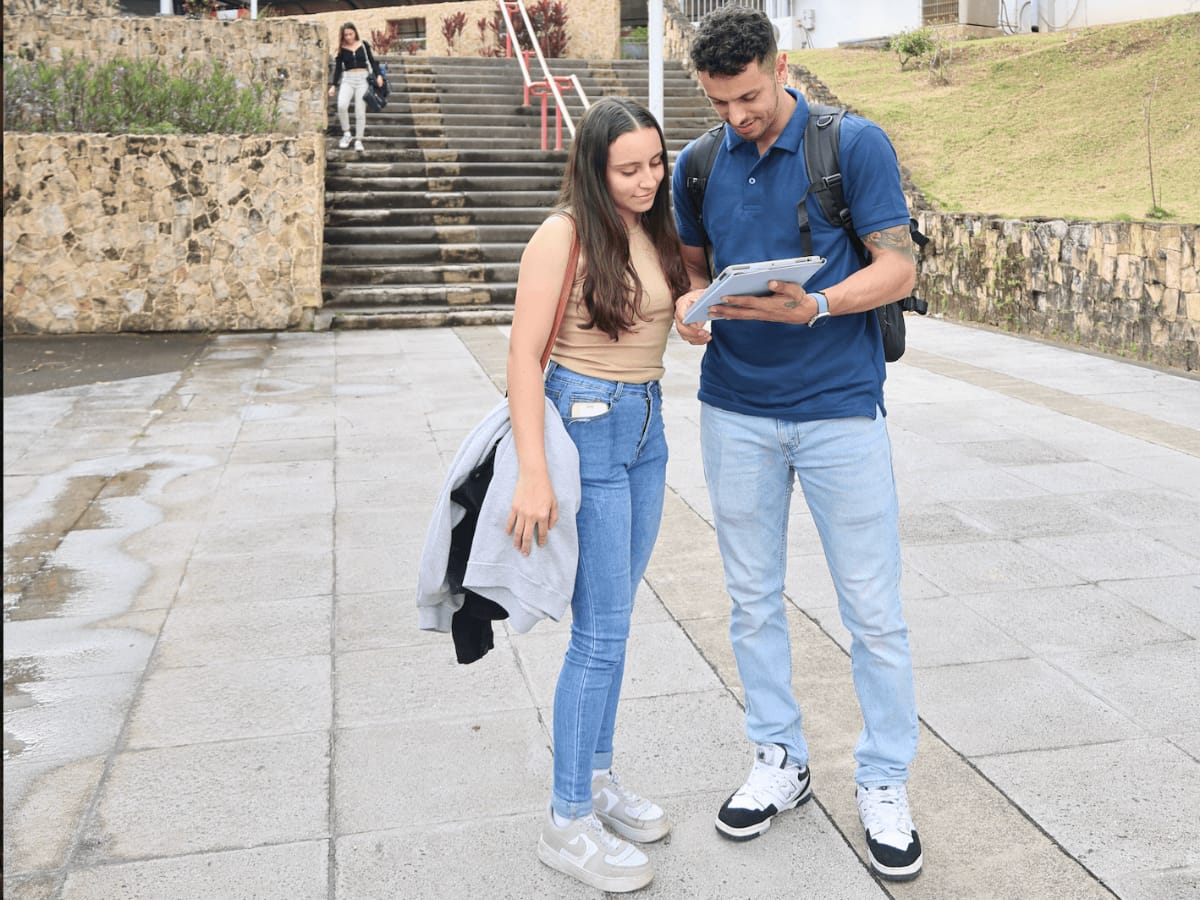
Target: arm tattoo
point(896, 239)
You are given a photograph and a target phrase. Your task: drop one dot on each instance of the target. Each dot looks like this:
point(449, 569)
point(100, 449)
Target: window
point(407, 31)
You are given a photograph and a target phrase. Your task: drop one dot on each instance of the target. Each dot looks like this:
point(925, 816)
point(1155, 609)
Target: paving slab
point(175, 801)
point(1147, 788)
point(281, 872)
point(231, 701)
point(441, 769)
point(258, 629)
point(1053, 621)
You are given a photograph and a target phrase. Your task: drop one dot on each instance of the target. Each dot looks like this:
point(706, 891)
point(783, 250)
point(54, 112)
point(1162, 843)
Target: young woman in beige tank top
point(603, 380)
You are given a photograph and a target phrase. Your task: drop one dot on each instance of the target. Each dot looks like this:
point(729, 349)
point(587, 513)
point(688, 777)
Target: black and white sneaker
point(771, 787)
point(892, 842)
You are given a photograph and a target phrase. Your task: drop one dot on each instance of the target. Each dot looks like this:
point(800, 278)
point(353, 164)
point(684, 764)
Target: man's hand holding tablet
point(751, 279)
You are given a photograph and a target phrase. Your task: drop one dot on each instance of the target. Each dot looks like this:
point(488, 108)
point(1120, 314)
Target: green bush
point(910, 45)
point(134, 97)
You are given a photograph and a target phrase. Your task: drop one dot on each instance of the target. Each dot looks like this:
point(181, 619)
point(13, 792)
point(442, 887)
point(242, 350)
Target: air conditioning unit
point(985, 13)
point(792, 35)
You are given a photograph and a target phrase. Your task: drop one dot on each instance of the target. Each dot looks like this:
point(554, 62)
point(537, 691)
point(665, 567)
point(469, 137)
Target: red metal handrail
point(550, 85)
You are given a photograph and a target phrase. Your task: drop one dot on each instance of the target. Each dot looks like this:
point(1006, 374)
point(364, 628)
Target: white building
point(828, 23)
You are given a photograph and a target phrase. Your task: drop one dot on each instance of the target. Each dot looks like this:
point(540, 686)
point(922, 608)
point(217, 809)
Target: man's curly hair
point(730, 38)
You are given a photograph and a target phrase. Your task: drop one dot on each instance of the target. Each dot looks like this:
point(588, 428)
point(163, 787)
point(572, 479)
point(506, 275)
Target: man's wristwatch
point(822, 315)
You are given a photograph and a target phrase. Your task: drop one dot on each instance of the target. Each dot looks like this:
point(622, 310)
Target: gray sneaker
point(584, 850)
point(632, 817)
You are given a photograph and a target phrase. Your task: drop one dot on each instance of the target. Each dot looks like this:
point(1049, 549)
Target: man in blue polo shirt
point(791, 386)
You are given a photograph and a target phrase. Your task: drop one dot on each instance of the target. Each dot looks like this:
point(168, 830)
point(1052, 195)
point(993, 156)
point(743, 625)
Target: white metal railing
point(695, 10)
point(550, 83)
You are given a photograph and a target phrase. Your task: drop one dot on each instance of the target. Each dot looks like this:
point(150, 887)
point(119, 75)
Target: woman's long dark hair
point(612, 290)
point(342, 33)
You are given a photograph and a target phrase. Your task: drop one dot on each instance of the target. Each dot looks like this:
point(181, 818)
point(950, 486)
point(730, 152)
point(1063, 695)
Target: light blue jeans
point(622, 467)
point(845, 471)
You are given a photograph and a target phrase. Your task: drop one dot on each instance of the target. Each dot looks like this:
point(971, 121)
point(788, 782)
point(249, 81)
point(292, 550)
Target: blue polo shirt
point(782, 371)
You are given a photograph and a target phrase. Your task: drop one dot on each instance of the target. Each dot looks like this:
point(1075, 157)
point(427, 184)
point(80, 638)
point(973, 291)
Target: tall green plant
point(912, 45)
point(1156, 211)
point(126, 96)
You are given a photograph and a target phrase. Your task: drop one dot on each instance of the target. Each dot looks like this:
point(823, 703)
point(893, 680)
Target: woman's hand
point(693, 334)
point(332, 90)
point(534, 512)
point(379, 81)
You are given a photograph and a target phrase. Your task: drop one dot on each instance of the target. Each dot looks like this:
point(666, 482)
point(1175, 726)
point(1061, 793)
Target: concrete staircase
point(426, 226)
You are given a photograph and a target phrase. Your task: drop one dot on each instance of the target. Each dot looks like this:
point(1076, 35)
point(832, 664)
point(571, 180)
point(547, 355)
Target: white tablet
point(751, 279)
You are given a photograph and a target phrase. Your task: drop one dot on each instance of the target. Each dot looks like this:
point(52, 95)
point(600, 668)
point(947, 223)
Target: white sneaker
point(584, 849)
point(892, 842)
point(771, 787)
point(345, 141)
point(632, 817)
point(358, 145)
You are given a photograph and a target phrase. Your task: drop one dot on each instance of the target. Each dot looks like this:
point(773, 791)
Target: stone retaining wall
point(1129, 288)
point(60, 8)
point(109, 233)
point(593, 26)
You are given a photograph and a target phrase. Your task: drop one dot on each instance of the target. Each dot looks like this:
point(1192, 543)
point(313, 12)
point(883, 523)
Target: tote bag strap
point(568, 283)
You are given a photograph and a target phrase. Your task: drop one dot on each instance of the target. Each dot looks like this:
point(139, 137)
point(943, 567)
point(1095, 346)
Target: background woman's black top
point(353, 59)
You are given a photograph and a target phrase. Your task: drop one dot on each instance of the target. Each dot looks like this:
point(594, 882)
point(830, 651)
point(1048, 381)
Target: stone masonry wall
point(1129, 288)
point(593, 26)
point(110, 233)
point(60, 8)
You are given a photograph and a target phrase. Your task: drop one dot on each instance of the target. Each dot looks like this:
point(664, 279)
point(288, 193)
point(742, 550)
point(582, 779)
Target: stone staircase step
point(407, 295)
point(467, 215)
point(352, 317)
point(442, 235)
point(371, 254)
point(377, 168)
point(377, 152)
point(450, 184)
point(487, 273)
point(370, 197)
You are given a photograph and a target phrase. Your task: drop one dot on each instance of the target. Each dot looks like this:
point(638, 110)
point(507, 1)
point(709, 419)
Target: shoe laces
point(610, 841)
point(636, 805)
point(885, 809)
point(767, 784)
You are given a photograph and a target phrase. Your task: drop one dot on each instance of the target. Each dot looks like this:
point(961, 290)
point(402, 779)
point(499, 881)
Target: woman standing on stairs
point(603, 378)
point(352, 66)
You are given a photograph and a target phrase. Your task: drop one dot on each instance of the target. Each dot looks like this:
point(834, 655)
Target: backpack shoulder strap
point(700, 161)
point(822, 160)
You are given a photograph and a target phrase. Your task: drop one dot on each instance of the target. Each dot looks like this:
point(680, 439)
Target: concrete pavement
point(214, 686)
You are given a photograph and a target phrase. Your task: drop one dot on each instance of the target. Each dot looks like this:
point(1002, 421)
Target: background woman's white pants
point(354, 84)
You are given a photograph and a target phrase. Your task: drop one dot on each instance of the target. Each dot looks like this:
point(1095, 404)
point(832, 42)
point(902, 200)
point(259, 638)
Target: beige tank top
point(637, 357)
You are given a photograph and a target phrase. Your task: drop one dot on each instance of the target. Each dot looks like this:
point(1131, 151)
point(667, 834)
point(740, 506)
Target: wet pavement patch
point(44, 363)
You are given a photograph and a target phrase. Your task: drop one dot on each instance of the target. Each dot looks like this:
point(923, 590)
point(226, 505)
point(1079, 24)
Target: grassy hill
point(1041, 124)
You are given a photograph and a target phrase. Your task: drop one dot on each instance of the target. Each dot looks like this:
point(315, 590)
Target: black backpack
point(825, 180)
